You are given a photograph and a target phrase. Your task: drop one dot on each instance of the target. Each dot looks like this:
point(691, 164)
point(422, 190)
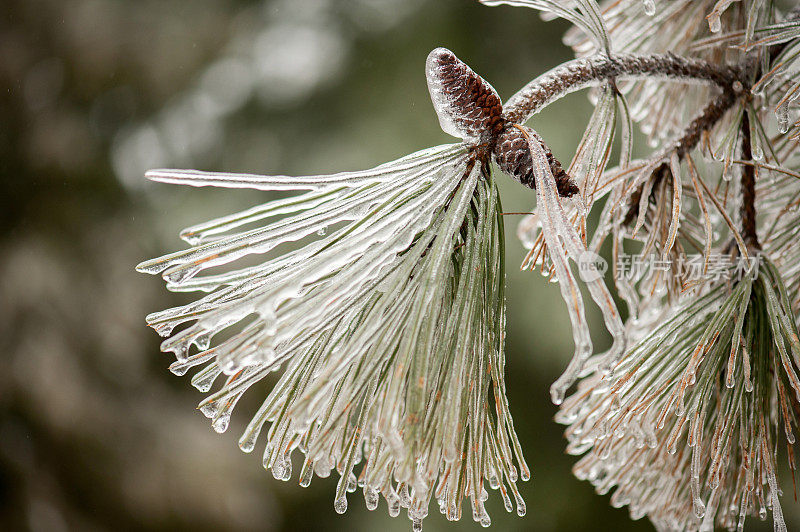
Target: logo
point(591, 266)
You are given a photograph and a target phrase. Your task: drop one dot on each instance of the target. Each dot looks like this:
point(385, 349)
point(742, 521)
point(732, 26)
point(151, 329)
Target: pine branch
point(581, 73)
point(747, 208)
point(682, 145)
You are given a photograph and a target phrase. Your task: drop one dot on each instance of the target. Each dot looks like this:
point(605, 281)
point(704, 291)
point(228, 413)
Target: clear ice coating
point(382, 303)
point(714, 22)
point(467, 106)
point(687, 450)
point(563, 244)
point(388, 324)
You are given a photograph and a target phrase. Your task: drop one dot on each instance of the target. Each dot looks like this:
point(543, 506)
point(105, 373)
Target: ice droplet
point(278, 469)
point(209, 409)
point(521, 508)
point(699, 507)
point(394, 507)
point(178, 369)
point(782, 113)
point(757, 152)
point(306, 475)
point(352, 483)
point(203, 341)
point(340, 505)
point(557, 394)
point(221, 423)
point(371, 498)
point(714, 23)
point(247, 443)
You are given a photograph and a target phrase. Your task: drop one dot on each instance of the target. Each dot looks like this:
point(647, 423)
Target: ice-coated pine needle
point(380, 299)
point(390, 329)
point(688, 431)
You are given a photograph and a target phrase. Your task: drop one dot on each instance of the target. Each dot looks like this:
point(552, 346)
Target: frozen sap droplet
point(649, 7)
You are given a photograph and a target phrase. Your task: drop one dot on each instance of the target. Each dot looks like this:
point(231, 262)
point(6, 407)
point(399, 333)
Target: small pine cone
point(468, 107)
point(514, 158)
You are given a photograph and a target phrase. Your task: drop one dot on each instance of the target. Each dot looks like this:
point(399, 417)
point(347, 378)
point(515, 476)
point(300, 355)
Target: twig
point(747, 208)
point(581, 73)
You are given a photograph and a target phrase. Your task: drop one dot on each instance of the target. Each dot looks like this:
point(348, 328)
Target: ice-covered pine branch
point(689, 428)
point(388, 319)
point(380, 295)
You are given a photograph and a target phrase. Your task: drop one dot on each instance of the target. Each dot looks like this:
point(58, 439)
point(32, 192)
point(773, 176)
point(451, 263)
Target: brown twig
point(685, 143)
point(581, 73)
point(747, 208)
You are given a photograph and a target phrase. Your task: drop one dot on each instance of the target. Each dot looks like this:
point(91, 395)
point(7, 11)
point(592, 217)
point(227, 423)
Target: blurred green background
point(95, 433)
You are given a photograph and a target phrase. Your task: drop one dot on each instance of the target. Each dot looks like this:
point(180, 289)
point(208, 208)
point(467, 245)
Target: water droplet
point(649, 7)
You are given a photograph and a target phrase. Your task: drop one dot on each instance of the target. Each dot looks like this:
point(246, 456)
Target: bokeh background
point(95, 433)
